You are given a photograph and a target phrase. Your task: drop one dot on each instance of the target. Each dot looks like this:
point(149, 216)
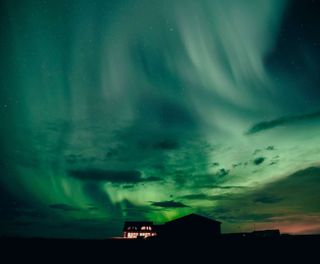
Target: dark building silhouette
point(191, 226)
point(255, 234)
point(138, 229)
point(266, 233)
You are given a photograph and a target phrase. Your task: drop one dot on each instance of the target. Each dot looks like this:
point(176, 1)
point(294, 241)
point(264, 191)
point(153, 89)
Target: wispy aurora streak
point(109, 108)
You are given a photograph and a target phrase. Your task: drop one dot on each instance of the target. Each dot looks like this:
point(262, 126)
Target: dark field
point(303, 249)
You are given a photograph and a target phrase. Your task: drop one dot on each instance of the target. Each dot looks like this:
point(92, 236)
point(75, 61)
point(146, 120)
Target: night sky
point(153, 109)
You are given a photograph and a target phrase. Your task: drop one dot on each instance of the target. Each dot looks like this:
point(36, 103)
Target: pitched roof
point(192, 218)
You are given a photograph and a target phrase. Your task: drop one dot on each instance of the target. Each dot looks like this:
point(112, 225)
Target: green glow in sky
point(134, 110)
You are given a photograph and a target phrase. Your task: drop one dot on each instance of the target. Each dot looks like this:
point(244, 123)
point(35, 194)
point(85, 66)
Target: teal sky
point(148, 109)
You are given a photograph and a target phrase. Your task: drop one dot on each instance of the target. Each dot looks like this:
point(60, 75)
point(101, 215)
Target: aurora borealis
point(152, 109)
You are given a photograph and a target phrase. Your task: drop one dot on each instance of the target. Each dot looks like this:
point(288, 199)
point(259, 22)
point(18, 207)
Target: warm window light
point(146, 228)
point(135, 231)
point(137, 234)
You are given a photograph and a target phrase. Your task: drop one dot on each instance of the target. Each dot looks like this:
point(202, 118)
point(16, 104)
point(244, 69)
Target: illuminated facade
point(191, 226)
point(138, 230)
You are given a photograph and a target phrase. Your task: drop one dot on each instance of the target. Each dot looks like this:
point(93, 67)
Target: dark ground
point(300, 249)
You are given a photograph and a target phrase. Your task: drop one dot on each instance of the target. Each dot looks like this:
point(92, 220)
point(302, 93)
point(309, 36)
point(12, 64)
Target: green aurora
point(152, 109)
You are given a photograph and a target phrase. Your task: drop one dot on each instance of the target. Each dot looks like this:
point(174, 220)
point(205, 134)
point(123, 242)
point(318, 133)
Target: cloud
point(114, 176)
point(253, 217)
point(169, 204)
point(73, 158)
point(205, 180)
point(92, 208)
point(270, 148)
point(208, 185)
point(222, 172)
point(235, 165)
point(166, 145)
point(265, 125)
point(226, 187)
point(202, 196)
point(297, 194)
point(12, 208)
point(256, 151)
point(170, 90)
point(64, 207)
point(16, 213)
point(134, 211)
point(259, 160)
point(267, 199)
point(150, 179)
